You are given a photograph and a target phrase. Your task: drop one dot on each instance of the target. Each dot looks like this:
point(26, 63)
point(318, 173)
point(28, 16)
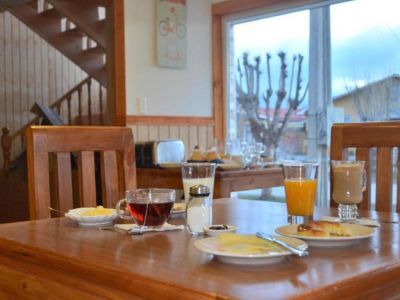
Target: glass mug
point(349, 182)
point(149, 208)
point(300, 183)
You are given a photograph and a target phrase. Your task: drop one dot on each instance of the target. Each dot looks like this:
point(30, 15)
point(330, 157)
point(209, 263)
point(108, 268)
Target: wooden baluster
point(58, 107)
point(89, 102)
point(101, 104)
point(6, 142)
point(80, 105)
point(69, 109)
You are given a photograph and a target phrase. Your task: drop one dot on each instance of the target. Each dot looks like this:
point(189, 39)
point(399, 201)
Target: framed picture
point(171, 33)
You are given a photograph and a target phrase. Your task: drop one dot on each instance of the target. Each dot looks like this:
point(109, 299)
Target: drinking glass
point(300, 182)
point(149, 208)
point(349, 182)
point(196, 174)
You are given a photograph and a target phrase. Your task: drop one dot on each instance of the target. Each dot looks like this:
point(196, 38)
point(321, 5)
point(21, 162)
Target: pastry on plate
point(198, 155)
point(323, 229)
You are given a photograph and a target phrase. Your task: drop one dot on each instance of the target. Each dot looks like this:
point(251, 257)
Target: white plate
point(358, 233)
point(178, 208)
point(214, 232)
point(170, 165)
point(211, 245)
point(90, 221)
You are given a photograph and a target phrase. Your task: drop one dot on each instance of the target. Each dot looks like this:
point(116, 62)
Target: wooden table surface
point(225, 181)
point(56, 259)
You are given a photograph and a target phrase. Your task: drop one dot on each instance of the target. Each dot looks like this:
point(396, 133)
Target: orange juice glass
point(300, 189)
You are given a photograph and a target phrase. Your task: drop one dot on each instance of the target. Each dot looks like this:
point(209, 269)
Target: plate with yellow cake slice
point(327, 234)
point(245, 249)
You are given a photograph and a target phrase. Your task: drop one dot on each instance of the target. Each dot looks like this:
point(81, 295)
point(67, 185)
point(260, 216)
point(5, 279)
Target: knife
point(292, 249)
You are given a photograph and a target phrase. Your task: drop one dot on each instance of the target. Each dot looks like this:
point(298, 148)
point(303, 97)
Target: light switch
point(142, 103)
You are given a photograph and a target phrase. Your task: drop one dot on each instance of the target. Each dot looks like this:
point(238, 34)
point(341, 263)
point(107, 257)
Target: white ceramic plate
point(214, 232)
point(90, 221)
point(178, 208)
point(358, 233)
point(170, 165)
point(211, 245)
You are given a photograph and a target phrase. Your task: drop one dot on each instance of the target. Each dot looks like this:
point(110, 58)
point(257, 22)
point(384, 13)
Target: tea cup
point(149, 208)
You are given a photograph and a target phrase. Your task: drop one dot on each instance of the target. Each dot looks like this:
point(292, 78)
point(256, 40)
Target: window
point(351, 56)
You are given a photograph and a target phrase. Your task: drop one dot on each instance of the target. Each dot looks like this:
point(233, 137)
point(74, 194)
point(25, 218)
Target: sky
point(365, 39)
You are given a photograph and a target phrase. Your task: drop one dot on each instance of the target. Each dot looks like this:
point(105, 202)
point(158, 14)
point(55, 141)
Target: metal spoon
point(292, 249)
point(56, 210)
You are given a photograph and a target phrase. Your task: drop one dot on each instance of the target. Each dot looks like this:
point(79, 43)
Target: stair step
point(101, 76)
point(48, 26)
point(84, 16)
point(34, 5)
point(52, 13)
point(68, 42)
point(45, 26)
point(96, 51)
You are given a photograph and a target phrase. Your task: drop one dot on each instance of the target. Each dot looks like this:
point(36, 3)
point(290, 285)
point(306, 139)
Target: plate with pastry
point(230, 165)
point(327, 234)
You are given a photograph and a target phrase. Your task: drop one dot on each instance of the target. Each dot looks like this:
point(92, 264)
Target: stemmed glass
point(349, 182)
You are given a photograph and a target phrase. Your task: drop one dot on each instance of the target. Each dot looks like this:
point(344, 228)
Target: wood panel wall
point(31, 71)
point(191, 135)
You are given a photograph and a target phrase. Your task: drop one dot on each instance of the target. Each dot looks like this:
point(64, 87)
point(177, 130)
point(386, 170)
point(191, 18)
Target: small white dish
point(90, 221)
point(358, 233)
point(178, 209)
point(217, 229)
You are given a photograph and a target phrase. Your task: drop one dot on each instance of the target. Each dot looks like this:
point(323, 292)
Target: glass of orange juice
point(300, 181)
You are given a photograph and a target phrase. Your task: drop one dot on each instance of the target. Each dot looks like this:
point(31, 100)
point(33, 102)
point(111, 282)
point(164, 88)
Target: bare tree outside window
point(279, 105)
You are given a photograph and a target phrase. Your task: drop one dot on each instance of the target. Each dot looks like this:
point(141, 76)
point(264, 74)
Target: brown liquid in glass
point(157, 213)
point(347, 184)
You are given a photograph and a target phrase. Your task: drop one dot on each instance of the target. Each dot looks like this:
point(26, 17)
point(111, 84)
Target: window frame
point(222, 14)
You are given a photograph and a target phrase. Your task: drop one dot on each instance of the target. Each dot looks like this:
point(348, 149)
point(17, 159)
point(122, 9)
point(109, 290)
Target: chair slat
point(109, 171)
point(398, 182)
point(38, 170)
point(364, 154)
point(384, 179)
point(64, 181)
point(87, 181)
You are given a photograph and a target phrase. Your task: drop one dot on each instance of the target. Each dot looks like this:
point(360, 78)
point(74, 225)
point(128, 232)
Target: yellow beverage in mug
point(300, 196)
point(300, 181)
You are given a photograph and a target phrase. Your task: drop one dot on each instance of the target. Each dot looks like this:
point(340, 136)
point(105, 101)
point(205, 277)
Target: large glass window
point(350, 60)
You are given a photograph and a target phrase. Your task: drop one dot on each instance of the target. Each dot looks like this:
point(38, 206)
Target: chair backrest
point(50, 175)
point(364, 137)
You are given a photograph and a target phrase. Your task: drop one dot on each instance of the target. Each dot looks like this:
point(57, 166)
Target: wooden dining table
point(226, 181)
point(57, 259)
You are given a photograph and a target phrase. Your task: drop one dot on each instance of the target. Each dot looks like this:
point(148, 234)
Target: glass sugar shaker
point(199, 209)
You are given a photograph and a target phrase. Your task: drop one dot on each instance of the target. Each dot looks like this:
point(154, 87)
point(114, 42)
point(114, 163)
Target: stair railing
point(76, 118)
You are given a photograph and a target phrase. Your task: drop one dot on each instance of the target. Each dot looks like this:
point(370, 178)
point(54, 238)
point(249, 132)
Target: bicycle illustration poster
point(171, 33)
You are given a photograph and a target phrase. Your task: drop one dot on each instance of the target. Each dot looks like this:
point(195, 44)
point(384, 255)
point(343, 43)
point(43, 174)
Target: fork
point(292, 249)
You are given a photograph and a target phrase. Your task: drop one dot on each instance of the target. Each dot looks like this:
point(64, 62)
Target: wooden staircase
point(77, 30)
point(90, 33)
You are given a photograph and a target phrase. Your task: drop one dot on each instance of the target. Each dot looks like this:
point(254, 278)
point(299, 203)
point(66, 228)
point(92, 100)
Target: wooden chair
point(384, 136)
point(49, 151)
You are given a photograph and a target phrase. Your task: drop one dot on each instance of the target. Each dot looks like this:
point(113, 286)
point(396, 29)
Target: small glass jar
point(199, 209)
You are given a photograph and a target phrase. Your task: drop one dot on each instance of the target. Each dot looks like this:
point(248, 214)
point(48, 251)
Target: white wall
point(169, 92)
